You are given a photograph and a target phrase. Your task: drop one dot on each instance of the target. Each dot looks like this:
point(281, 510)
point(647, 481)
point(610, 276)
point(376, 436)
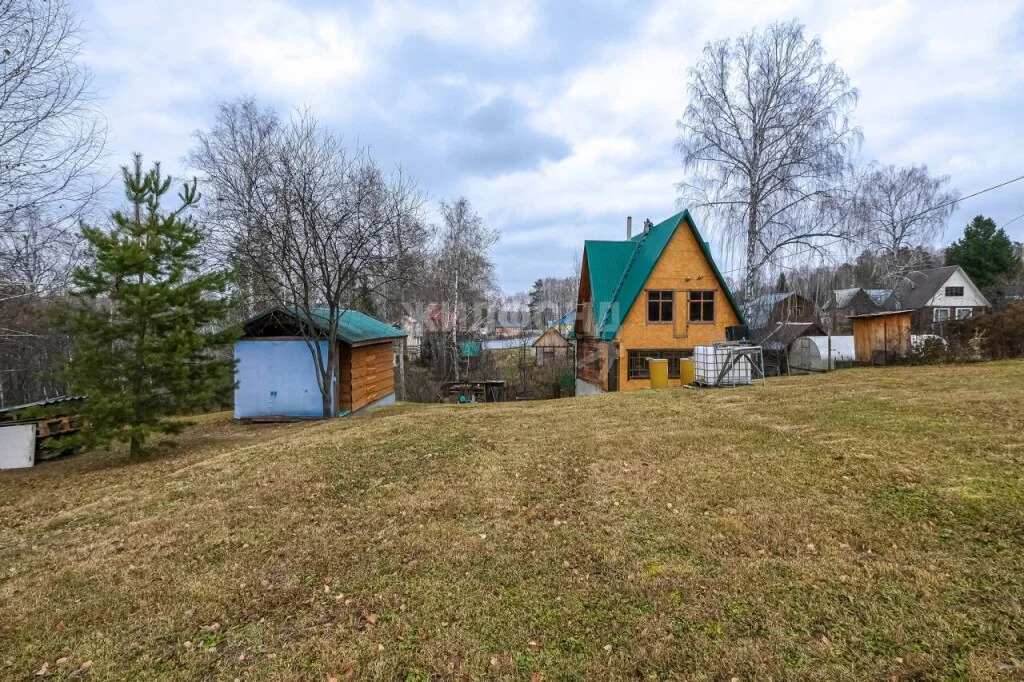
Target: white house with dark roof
point(937, 296)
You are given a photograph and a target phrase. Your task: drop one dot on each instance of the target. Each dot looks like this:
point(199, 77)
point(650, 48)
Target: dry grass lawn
point(863, 524)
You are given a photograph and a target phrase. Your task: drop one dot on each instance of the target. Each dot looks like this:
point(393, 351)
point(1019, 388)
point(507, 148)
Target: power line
point(1014, 220)
point(913, 217)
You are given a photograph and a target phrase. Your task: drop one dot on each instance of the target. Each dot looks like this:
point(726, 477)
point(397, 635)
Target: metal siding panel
point(276, 378)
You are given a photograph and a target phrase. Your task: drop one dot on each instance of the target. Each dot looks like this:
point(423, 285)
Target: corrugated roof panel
point(759, 312)
point(606, 261)
point(45, 402)
point(879, 296)
point(626, 267)
point(353, 326)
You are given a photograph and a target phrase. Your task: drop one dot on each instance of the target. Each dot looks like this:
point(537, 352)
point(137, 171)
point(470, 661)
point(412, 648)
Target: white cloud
point(941, 83)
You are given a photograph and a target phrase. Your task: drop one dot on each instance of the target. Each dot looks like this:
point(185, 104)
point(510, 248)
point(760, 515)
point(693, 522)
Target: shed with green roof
point(277, 376)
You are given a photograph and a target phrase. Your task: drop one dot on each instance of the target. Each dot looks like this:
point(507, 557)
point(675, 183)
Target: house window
point(702, 306)
point(963, 313)
point(954, 291)
point(547, 354)
point(940, 315)
point(659, 306)
point(637, 361)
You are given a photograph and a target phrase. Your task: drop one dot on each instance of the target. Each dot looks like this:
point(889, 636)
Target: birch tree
point(765, 143)
point(463, 268)
point(900, 210)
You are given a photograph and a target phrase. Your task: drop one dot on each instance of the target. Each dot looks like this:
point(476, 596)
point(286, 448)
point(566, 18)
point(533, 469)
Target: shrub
point(995, 336)
point(931, 350)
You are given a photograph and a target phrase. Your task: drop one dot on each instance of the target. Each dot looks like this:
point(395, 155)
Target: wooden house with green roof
point(654, 295)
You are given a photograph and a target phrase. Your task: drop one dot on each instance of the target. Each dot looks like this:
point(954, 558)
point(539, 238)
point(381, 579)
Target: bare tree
point(50, 141)
point(766, 141)
point(50, 136)
point(236, 159)
point(36, 260)
point(463, 268)
point(896, 209)
point(309, 222)
point(550, 299)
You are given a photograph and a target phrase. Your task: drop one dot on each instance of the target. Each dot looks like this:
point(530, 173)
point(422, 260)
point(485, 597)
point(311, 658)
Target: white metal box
point(17, 446)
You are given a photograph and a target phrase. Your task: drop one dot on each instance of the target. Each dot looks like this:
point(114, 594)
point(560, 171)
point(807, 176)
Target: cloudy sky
point(556, 119)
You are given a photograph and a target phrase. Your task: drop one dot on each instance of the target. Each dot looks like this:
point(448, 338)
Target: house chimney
point(629, 227)
point(647, 225)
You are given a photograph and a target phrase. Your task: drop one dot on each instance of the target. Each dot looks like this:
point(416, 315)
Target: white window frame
point(935, 315)
point(969, 311)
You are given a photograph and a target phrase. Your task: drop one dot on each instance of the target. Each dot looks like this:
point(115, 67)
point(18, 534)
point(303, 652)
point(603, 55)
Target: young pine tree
point(148, 325)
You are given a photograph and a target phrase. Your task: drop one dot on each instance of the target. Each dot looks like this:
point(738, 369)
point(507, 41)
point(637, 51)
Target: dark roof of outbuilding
point(44, 403)
point(786, 333)
point(842, 297)
point(759, 311)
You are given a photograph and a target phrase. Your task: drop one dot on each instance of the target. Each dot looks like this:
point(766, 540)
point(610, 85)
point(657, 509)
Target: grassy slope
point(862, 524)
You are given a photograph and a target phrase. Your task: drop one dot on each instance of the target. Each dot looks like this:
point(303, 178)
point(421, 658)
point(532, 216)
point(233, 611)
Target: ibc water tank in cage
point(722, 365)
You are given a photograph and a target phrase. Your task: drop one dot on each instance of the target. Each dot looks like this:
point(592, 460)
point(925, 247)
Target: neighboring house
point(508, 323)
point(551, 347)
point(655, 295)
point(439, 318)
point(508, 329)
point(764, 312)
point(414, 331)
point(276, 373)
point(937, 296)
point(843, 303)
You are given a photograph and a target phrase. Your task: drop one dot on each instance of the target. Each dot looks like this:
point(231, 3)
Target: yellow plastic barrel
point(659, 372)
point(686, 371)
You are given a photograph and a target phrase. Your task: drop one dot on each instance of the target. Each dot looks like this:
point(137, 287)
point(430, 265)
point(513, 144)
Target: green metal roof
point(618, 271)
point(606, 261)
point(353, 326)
point(470, 349)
